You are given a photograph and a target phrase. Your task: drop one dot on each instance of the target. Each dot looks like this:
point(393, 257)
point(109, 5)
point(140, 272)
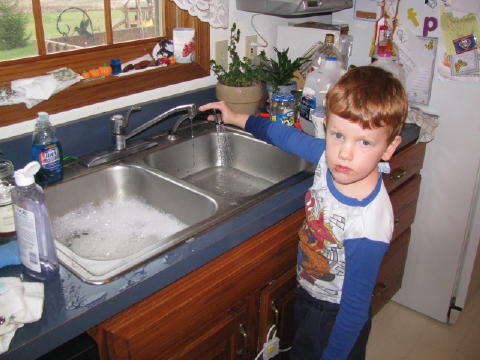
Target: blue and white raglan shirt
point(342, 241)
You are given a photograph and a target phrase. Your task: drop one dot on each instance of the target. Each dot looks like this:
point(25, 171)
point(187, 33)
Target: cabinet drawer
point(404, 165)
point(404, 203)
point(389, 279)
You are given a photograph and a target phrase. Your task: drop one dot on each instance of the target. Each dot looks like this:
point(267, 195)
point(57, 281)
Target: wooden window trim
point(90, 92)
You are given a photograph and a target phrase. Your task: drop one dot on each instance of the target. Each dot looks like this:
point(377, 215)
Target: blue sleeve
point(362, 261)
point(286, 138)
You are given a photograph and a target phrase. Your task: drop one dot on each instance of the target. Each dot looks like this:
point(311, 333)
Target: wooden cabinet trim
point(404, 165)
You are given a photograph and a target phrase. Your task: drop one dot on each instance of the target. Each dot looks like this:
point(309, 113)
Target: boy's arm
point(286, 138)
point(362, 261)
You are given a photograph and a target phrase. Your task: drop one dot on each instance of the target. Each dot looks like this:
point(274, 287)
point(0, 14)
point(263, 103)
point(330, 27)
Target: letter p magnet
point(429, 24)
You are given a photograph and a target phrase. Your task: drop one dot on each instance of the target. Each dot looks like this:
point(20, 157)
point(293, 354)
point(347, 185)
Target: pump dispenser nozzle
point(25, 176)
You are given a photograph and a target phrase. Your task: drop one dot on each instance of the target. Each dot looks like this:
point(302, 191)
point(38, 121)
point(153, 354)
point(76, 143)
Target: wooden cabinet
point(224, 309)
point(403, 185)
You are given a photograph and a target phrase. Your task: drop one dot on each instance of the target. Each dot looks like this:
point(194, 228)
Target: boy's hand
point(228, 115)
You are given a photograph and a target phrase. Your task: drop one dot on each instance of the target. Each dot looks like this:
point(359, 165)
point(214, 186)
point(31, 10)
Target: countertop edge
point(30, 343)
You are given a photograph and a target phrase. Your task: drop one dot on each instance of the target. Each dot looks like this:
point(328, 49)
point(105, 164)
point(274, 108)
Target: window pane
point(136, 19)
point(72, 25)
point(17, 30)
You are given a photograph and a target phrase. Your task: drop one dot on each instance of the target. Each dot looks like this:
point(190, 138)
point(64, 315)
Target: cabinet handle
point(243, 333)
point(398, 174)
point(276, 313)
point(379, 289)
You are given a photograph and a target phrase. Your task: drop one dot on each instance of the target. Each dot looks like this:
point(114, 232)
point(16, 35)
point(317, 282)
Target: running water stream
point(224, 148)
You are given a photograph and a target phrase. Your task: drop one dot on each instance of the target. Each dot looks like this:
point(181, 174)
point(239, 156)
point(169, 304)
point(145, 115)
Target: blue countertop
point(71, 306)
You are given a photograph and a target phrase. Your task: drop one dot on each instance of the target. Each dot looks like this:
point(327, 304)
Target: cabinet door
point(230, 338)
point(389, 279)
point(276, 308)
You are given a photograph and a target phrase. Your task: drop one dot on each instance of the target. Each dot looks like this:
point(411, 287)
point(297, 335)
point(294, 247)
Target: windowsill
point(89, 92)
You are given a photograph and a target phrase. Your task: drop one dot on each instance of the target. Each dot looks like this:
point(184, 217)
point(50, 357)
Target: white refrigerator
point(445, 235)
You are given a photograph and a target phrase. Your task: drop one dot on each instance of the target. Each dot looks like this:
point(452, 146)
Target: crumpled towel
point(21, 302)
point(34, 90)
point(427, 122)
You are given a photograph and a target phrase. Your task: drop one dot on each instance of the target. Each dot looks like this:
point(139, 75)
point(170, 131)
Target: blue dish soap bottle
point(34, 230)
point(46, 149)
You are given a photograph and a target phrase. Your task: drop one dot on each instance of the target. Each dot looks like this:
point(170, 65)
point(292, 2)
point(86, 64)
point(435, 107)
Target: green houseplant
point(239, 85)
point(279, 74)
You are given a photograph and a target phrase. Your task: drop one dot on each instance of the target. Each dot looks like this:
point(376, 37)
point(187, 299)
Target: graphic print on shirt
point(320, 253)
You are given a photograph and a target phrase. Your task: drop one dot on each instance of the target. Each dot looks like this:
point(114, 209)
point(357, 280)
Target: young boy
point(349, 218)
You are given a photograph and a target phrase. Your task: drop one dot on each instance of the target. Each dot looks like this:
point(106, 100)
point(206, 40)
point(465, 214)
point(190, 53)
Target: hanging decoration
point(385, 27)
point(215, 12)
point(460, 34)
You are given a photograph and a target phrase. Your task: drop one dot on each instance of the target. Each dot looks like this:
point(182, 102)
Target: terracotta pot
point(241, 99)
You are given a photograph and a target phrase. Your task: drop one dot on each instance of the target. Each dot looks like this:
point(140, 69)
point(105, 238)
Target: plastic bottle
point(7, 225)
point(34, 230)
point(385, 42)
point(317, 84)
point(46, 149)
point(282, 108)
point(328, 49)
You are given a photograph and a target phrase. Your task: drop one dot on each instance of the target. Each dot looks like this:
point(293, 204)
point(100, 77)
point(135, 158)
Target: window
point(83, 34)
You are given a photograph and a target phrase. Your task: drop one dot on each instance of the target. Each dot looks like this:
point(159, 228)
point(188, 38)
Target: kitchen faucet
point(120, 124)
point(120, 136)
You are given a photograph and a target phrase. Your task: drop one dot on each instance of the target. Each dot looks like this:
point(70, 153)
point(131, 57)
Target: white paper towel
point(20, 303)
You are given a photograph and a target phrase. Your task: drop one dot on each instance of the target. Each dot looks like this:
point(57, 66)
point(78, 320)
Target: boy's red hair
point(371, 97)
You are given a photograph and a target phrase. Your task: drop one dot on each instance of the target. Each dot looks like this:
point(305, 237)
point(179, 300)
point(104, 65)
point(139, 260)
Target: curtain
point(215, 12)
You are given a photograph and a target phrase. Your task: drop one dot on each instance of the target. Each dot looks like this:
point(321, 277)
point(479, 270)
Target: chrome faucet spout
point(179, 122)
point(191, 108)
point(120, 136)
point(119, 123)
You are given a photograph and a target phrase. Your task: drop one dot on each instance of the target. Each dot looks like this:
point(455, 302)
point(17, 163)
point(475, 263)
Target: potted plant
point(279, 74)
point(239, 85)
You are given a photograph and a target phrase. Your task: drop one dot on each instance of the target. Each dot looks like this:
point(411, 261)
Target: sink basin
point(109, 219)
point(249, 167)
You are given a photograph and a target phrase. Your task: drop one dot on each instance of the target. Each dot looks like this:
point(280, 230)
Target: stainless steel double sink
point(190, 179)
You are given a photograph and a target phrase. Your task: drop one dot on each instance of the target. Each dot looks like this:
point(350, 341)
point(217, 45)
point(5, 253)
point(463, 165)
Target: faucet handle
point(132, 109)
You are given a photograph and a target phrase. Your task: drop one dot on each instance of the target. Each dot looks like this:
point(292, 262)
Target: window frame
point(91, 92)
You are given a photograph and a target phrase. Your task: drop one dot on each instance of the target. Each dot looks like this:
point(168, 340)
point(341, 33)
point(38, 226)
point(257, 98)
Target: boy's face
point(352, 154)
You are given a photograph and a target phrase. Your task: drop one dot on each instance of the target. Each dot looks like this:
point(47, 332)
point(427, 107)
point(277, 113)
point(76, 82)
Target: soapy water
point(114, 229)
